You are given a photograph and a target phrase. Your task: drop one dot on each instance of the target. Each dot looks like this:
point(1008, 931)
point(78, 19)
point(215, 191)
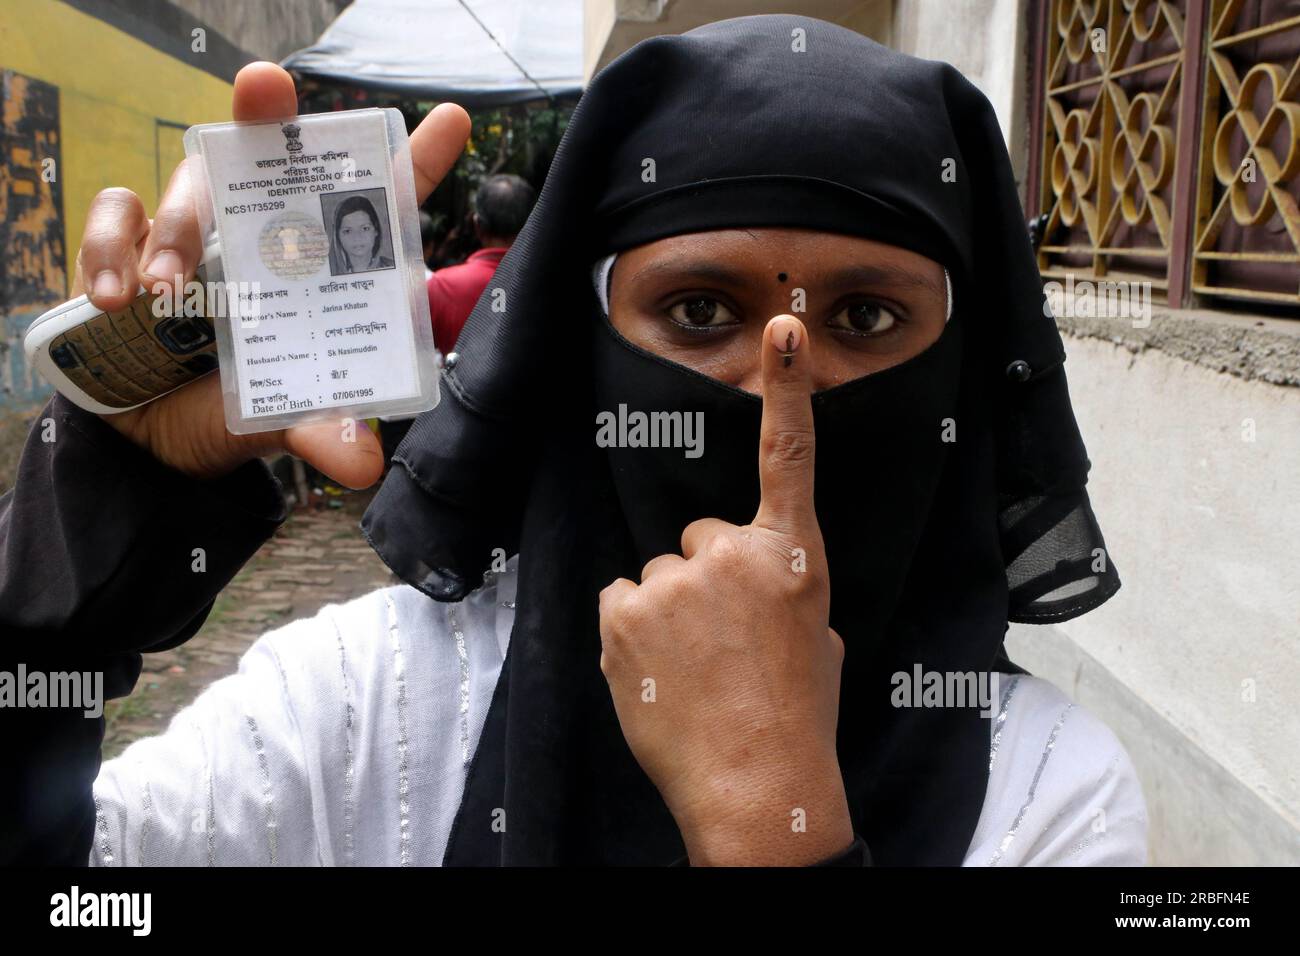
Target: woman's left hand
point(724, 671)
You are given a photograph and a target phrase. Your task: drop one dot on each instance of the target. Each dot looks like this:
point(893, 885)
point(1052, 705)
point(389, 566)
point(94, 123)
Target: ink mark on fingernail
point(789, 348)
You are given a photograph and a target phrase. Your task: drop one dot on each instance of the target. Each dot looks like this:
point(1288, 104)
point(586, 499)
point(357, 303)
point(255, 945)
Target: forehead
point(805, 255)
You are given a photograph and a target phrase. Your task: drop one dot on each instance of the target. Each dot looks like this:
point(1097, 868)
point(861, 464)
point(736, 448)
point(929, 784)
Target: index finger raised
point(787, 440)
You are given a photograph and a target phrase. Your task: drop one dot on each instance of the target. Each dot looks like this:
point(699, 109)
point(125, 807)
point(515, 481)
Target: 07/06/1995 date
point(354, 393)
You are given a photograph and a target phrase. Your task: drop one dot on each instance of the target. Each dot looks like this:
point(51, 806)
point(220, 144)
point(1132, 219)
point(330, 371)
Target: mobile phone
point(111, 362)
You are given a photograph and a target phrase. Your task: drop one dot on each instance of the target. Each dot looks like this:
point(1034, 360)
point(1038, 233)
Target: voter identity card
point(325, 312)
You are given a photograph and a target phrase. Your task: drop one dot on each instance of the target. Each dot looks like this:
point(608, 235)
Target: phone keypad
point(128, 357)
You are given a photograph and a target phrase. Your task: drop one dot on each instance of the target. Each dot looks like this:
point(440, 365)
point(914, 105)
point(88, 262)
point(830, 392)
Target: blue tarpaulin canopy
point(442, 50)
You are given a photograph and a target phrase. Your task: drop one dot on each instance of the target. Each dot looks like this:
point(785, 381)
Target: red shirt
point(453, 291)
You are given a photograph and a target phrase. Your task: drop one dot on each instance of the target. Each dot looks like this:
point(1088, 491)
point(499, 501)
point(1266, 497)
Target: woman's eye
point(701, 312)
point(864, 318)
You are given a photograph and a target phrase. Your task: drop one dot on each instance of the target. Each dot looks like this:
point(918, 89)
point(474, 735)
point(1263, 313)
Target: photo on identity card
point(360, 237)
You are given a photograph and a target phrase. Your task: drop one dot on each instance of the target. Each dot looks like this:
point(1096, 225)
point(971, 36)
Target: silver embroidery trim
point(288, 704)
point(101, 825)
point(1001, 720)
point(1095, 838)
point(268, 795)
point(210, 823)
point(459, 635)
point(146, 802)
point(1033, 787)
point(489, 578)
point(121, 833)
point(349, 765)
point(403, 784)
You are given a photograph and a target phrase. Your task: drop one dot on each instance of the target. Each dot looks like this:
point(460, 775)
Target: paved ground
point(317, 557)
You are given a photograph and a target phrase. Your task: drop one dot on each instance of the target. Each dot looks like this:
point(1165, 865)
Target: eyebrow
point(880, 274)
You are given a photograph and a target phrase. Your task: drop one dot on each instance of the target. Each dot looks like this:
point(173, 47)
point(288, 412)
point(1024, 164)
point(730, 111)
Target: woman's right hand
point(123, 249)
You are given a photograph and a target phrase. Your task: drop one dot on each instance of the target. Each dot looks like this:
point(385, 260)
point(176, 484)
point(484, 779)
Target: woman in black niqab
point(757, 121)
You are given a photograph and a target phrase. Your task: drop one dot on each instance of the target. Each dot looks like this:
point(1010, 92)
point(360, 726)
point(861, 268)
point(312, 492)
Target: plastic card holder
point(321, 312)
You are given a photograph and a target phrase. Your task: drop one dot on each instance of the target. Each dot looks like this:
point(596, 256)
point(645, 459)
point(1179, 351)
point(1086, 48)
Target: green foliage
point(512, 140)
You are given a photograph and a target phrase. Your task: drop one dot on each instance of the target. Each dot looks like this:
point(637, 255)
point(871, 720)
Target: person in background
point(428, 242)
point(501, 207)
point(393, 430)
point(446, 253)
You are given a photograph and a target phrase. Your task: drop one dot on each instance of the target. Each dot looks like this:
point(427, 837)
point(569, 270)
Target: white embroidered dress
point(345, 739)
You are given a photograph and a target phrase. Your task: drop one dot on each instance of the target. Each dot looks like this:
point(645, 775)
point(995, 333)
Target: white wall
point(1195, 663)
point(985, 39)
point(1204, 528)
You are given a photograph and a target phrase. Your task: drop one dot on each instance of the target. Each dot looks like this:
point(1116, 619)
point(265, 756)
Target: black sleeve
point(856, 855)
point(104, 553)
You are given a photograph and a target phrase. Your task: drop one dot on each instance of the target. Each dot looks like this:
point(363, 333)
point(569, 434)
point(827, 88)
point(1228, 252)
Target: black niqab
point(933, 545)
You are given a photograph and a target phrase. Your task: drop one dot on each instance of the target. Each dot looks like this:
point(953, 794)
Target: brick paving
point(317, 557)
